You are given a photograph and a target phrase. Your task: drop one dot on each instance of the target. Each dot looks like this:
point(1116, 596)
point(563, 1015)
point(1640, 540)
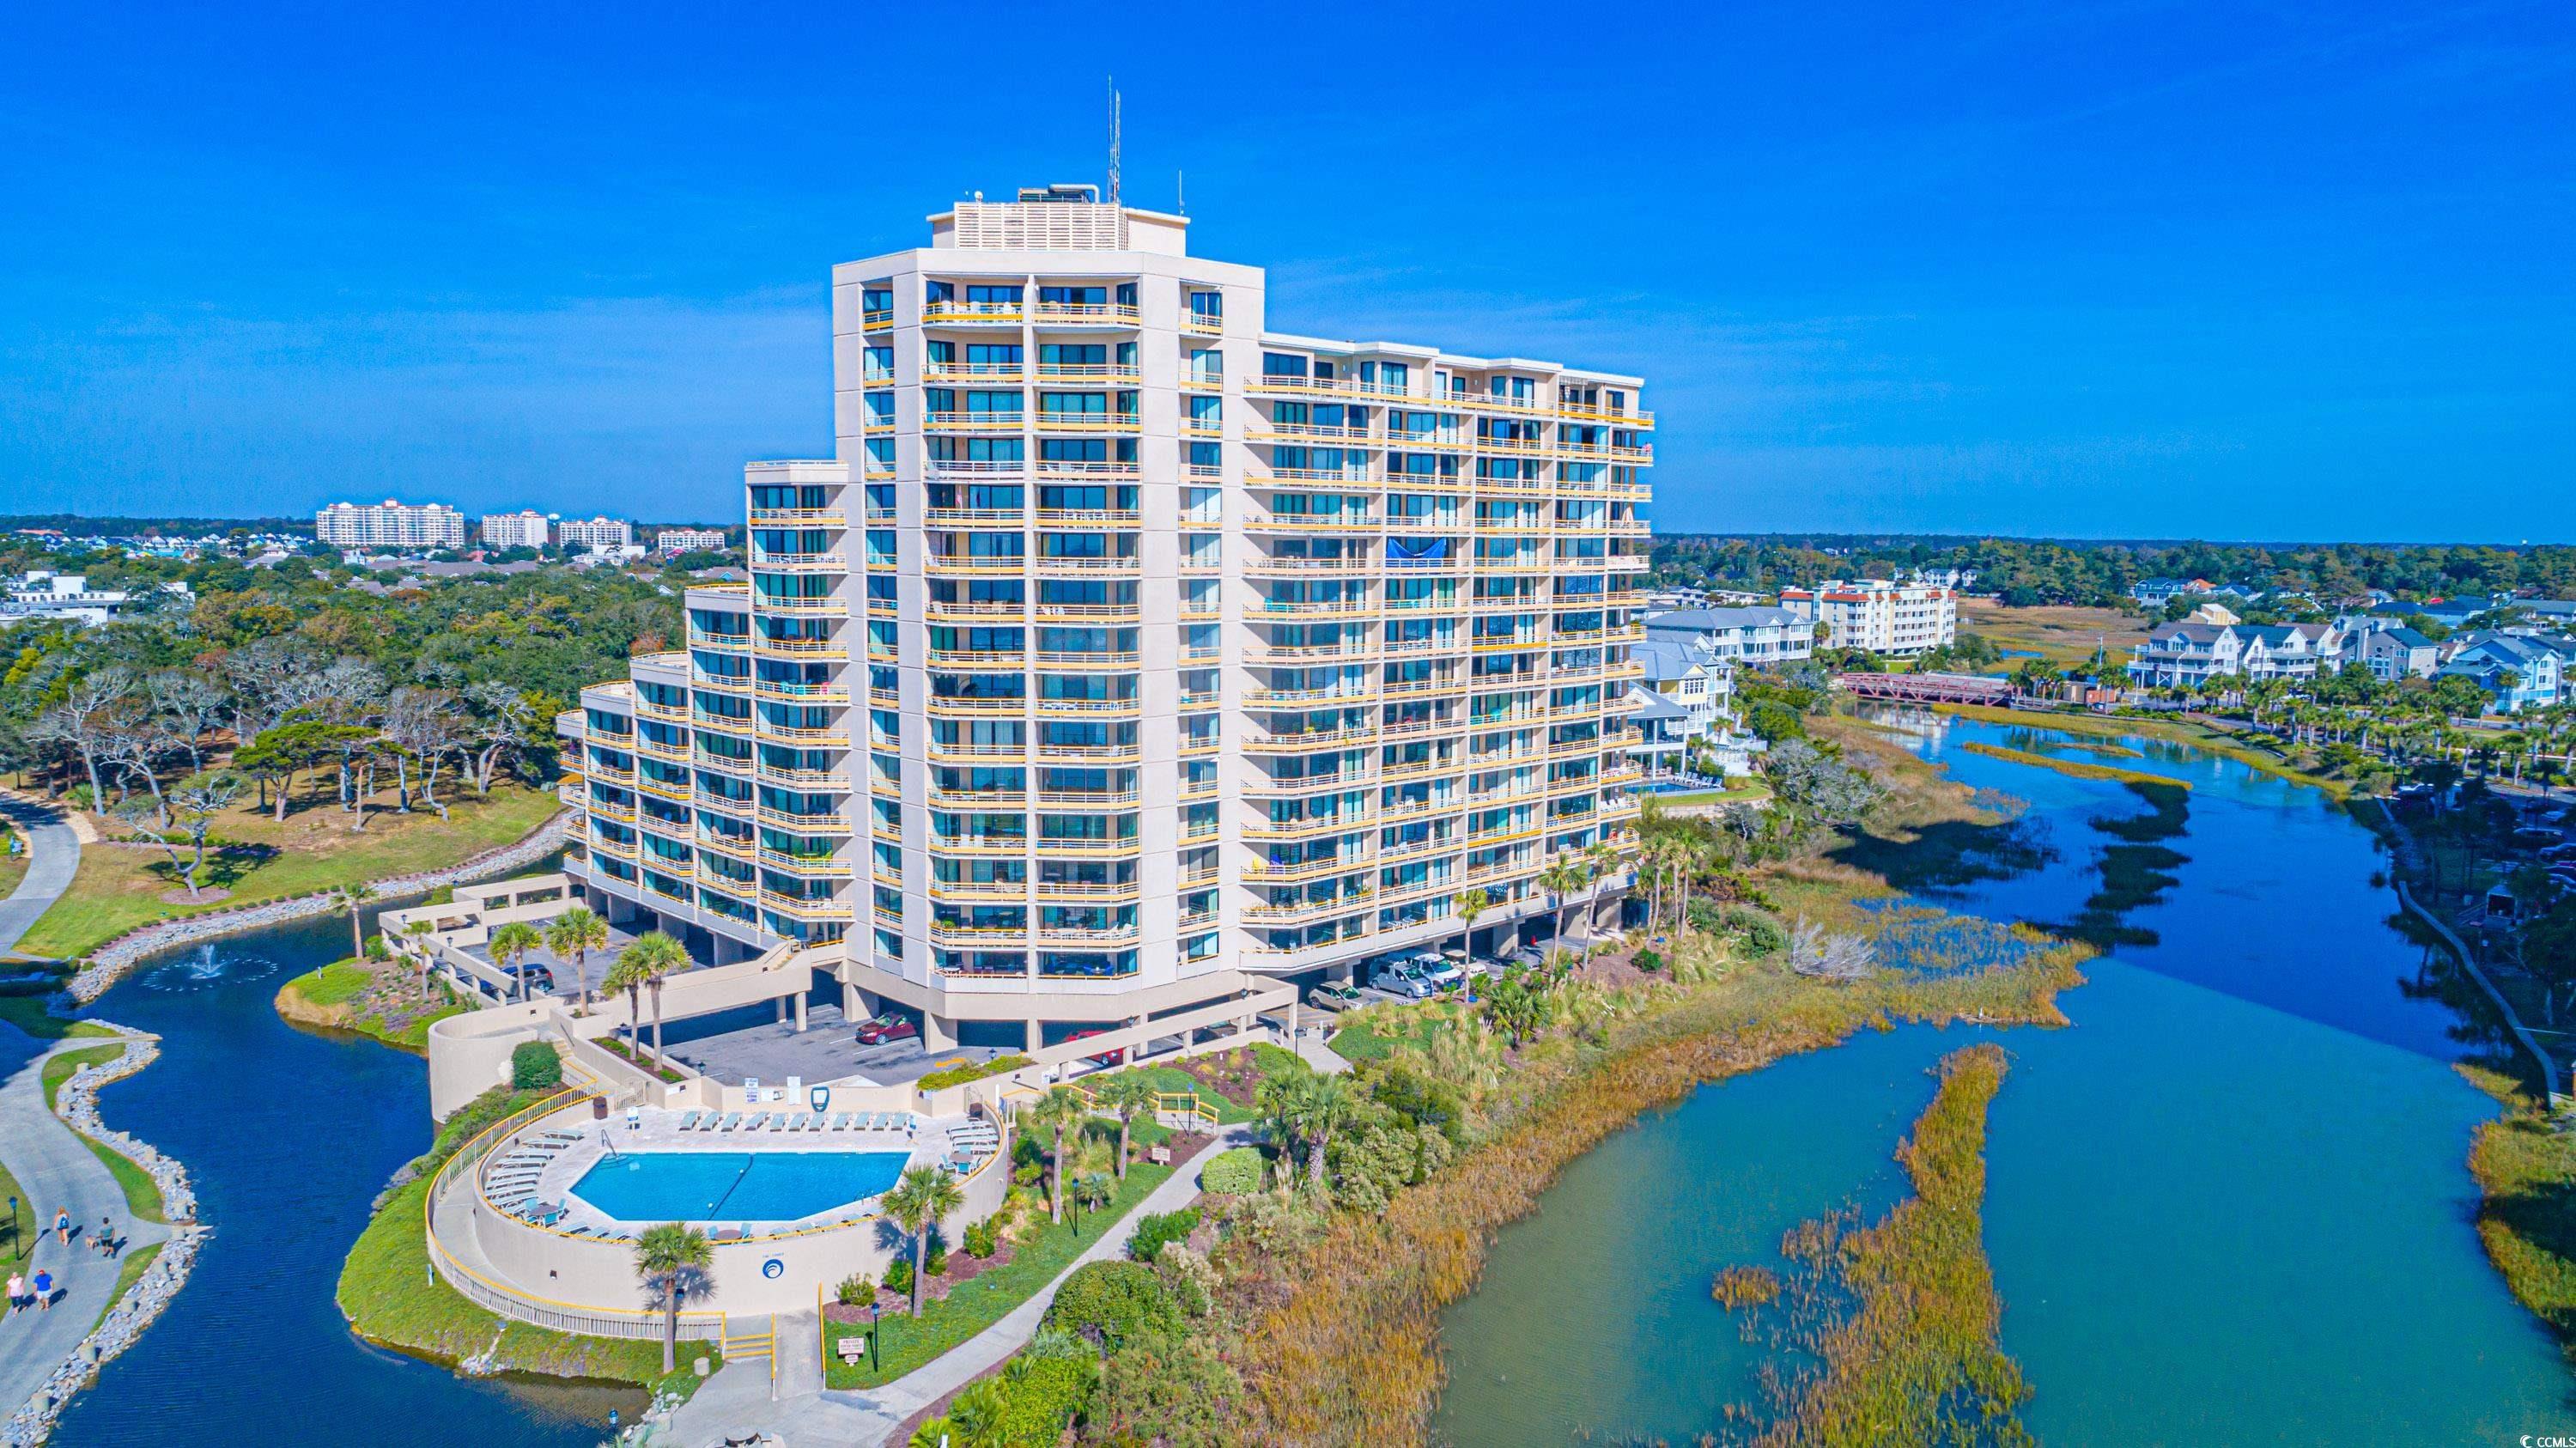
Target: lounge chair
point(731, 1120)
point(778, 1121)
point(817, 1123)
point(841, 1122)
point(689, 1121)
point(710, 1123)
point(758, 1121)
point(798, 1124)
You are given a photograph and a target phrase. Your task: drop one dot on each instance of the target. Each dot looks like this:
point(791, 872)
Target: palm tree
point(1126, 1093)
point(1055, 1111)
point(349, 898)
point(1563, 876)
point(658, 955)
point(1602, 858)
point(918, 1202)
point(510, 945)
point(1324, 1103)
point(672, 1259)
point(574, 935)
point(629, 975)
point(1093, 1191)
point(419, 931)
point(1468, 904)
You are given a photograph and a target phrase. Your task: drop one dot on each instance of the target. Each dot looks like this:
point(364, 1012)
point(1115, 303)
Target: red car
point(888, 1027)
point(1105, 1058)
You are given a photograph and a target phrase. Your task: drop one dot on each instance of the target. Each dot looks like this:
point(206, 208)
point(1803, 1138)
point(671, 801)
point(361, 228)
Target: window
point(1207, 364)
point(993, 296)
point(1282, 364)
point(1210, 305)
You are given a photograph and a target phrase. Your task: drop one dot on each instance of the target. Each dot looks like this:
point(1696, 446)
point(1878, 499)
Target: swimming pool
point(735, 1186)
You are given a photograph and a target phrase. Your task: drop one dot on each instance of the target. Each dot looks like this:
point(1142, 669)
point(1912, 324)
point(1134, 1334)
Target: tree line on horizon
point(2100, 573)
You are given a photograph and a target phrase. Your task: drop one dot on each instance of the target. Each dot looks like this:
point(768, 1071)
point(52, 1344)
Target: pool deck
point(659, 1131)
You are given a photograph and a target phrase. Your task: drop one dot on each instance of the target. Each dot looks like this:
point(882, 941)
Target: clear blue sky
point(2216, 270)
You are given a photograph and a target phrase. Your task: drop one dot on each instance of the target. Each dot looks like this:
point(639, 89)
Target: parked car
point(538, 979)
point(2558, 852)
point(1405, 981)
point(1105, 1058)
point(888, 1027)
point(1334, 996)
point(1440, 970)
point(2538, 835)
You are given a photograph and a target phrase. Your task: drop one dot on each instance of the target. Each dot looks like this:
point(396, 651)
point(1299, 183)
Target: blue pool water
point(735, 1186)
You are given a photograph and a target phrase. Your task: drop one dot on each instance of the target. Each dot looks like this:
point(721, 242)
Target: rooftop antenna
point(1181, 193)
point(1113, 140)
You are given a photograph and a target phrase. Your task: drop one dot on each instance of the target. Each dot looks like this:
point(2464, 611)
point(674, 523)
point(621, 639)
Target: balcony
point(995, 846)
point(824, 693)
point(1200, 324)
point(1042, 565)
point(975, 565)
point(1059, 468)
point(984, 373)
point(1262, 521)
point(956, 313)
point(977, 707)
point(1085, 314)
point(1101, 373)
point(765, 647)
point(800, 733)
point(801, 605)
point(973, 421)
point(801, 908)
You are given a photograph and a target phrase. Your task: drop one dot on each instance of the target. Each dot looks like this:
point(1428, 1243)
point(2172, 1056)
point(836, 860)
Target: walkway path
point(736, 1402)
point(55, 1168)
point(57, 854)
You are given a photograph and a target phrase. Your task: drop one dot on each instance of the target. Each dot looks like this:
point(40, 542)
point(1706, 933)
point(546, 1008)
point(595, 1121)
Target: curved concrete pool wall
point(551, 1269)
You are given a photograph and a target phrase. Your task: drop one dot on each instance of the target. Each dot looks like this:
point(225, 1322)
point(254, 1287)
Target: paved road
point(736, 1400)
point(55, 1168)
point(57, 850)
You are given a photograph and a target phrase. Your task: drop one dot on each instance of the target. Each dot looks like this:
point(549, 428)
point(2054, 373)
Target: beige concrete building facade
point(1131, 655)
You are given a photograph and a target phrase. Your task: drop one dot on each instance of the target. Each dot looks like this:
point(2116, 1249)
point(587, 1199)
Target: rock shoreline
point(130, 1314)
point(110, 962)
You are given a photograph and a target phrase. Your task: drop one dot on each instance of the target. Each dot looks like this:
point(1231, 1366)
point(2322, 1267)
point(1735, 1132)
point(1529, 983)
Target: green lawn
point(119, 887)
point(335, 984)
point(389, 1296)
point(983, 1300)
point(344, 982)
point(129, 1270)
point(10, 1244)
point(142, 1197)
point(1751, 789)
point(1172, 1078)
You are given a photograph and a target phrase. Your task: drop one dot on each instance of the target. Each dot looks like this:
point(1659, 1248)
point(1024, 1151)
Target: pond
point(289, 1134)
point(2230, 1204)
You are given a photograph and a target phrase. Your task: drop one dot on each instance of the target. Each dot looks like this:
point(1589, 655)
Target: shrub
point(443, 895)
point(534, 1066)
point(377, 949)
point(960, 1075)
point(1111, 1302)
point(1649, 961)
point(1042, 1395)
point(1234, 1173)
point(1762, 934)
point(983, 1238)
point(855, 1290)
point(1155, 1232)
point(898, 1278)
point(935, 1261)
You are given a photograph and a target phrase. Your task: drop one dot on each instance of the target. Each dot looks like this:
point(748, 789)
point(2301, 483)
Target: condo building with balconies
point(1130, 655)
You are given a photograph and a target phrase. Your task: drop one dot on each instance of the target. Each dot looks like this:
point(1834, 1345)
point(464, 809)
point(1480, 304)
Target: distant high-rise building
point(390, 524)
point(575, 533)
point(689, 540)
point(515, 530)
point(1133, 662)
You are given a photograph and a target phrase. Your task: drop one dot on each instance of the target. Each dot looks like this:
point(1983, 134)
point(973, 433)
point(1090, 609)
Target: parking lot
point(827, 1049)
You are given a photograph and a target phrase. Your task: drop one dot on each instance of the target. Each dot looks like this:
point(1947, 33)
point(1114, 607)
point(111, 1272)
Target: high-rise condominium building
point(1131, 655)
point(688, 540)
point(514, 530)
point(575, 533)
point(390, 525)
point(1899, 619)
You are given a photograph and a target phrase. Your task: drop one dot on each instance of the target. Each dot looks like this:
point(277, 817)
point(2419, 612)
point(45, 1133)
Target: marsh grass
point(1342, 1342)
point(1896, 1327)
point(2526, 1172)
point(2078, 768)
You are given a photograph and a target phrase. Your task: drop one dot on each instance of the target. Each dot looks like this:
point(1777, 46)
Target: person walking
point(105, 1242)
point(63, 1225)
point(17, 1293)
point(44, 1285)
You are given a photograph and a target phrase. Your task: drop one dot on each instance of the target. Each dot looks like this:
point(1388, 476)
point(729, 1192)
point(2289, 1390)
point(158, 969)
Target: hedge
point(1234, 1173)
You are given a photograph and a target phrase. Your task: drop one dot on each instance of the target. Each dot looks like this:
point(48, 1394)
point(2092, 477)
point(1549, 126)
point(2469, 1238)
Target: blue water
point(2229, 1205)
point(289, 1134)
point(735, 1186)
